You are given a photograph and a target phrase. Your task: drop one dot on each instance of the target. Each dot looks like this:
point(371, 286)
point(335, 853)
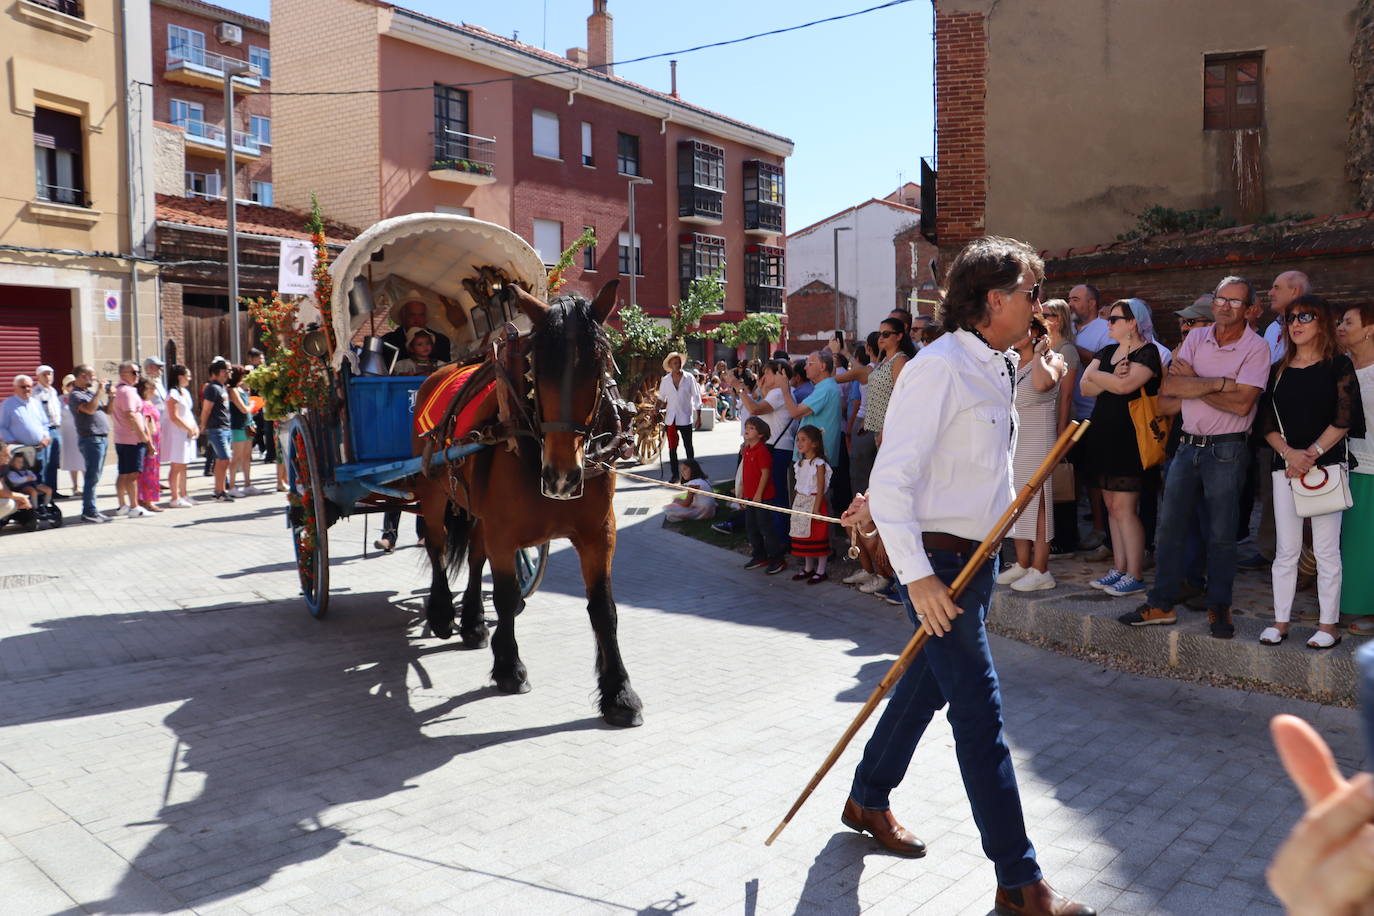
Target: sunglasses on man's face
point(1033, 293)
point(1301, 317)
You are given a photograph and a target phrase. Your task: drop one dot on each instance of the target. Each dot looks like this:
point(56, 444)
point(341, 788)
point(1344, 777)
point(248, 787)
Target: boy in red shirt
point(756, 470)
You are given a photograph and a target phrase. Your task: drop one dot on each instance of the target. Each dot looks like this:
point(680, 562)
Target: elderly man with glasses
point(24, 422)
point(1218, 376)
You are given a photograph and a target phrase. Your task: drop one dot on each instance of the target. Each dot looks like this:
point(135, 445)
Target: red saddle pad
point(428, 414)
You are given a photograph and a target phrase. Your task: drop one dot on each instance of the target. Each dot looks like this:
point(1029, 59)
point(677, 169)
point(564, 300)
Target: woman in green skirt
point(1356, 336)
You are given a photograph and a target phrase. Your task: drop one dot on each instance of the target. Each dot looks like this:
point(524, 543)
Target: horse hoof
point(623, 718)
point(441, 629)
point(474, 639)
point(512, 685)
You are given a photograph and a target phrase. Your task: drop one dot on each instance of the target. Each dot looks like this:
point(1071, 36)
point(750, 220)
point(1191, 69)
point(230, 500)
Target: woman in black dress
point(1115, 376)
point(1312, 404)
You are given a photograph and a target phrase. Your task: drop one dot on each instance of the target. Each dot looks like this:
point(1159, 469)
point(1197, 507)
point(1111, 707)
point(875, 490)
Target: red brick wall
point(173, 327)
point(1343, 278)
point(595, 196)
point(811, 312)
point(907, 280)
point(961, 52)
point(211, 99)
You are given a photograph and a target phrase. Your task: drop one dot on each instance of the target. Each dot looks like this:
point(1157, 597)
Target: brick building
point(1243, 105)
point(494, 134)
point(193, 45)
point(883, 261)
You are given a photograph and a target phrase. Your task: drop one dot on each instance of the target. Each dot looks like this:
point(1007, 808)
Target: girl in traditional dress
point(810, 537)
point(149, 486)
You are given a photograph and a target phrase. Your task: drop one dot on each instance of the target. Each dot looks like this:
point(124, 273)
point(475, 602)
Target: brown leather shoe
point(884, 828)
point(1038, 899)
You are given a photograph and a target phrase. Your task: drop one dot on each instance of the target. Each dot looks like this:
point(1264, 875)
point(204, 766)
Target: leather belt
point(1205, 441)
point(938, 540)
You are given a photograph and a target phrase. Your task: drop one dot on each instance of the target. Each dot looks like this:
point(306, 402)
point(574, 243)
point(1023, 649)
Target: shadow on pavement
point(281, 734)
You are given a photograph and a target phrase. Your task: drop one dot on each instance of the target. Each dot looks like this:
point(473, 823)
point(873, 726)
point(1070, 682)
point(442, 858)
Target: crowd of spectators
point(156, 426)
point(1259, 401)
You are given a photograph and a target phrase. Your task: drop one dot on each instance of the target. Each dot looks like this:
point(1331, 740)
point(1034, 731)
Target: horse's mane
point(550, 343)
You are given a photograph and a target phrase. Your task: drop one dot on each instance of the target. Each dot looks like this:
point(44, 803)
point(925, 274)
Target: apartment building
point(77, 196)
point(194, 46)
point(454, 118)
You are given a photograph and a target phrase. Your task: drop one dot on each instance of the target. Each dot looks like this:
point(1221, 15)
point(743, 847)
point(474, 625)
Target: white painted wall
point(868, 258)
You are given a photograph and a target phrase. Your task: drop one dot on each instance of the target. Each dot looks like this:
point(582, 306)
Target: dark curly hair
point(986, 264)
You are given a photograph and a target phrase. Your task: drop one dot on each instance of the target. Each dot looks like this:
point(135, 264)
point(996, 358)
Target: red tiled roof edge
point(253, 218)
point(228, 15)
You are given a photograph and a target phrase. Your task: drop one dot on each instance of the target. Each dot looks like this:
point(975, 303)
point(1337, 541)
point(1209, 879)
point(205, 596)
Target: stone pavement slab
point(190, 739)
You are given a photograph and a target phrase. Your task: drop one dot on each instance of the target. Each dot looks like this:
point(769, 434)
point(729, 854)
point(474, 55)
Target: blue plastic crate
point(381, 409)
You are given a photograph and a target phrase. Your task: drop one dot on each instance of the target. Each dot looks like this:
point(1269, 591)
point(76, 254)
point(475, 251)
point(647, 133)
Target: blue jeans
point(52, 458)
point(93, 450)
point(1194, 543)
point(782, 466)
point(956, 669)
point(1210, 477)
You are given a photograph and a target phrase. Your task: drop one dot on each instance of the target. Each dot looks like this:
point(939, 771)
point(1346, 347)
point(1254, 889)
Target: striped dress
point(1036, 418)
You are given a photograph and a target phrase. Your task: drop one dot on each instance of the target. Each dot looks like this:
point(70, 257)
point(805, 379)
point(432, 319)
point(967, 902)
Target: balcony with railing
point(209, 139)
point(193, 66)
point(463, 158)
point(57, 194)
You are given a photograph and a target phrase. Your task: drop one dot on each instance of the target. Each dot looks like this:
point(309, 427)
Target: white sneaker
point(1011, 574)
point(1033, 581)
point(236, 492)
point(251, 490)
point(123, 512)
point(138, 512)
point(857, 578)
point(186, 503)
point(875, 585)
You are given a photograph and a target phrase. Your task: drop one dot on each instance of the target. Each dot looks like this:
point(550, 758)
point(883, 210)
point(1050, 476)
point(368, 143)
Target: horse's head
point(569, 352)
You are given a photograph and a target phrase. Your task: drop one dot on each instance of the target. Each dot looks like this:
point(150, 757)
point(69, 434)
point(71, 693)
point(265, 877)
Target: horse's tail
point(459, 525)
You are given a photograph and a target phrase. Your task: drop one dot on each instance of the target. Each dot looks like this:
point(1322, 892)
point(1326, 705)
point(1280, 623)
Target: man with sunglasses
point(941, 481)
point(1218, 375)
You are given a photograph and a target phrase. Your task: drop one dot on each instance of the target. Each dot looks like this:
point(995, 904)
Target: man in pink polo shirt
point(1218, 375)
point(131, 440)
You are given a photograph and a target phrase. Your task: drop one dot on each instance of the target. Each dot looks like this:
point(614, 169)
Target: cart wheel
point(530, 564)
point(307, 518)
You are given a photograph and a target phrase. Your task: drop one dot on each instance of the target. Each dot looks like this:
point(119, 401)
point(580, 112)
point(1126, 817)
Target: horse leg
point(439, 604)
point(620, 705)
point(472, 626)
point(507, 670)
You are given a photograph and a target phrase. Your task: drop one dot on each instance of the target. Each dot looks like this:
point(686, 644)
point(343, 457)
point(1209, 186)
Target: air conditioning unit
point(229, 34)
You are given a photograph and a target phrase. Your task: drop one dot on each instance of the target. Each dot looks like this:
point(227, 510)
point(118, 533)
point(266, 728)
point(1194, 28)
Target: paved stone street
point(178, 735)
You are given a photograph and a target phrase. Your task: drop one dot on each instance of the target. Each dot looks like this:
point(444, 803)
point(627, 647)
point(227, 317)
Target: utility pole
point(231, 208)
point(835, 245)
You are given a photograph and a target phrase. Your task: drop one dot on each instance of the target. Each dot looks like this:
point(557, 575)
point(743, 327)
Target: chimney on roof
point(578, 56)
point(600, 43)
point(672, 69)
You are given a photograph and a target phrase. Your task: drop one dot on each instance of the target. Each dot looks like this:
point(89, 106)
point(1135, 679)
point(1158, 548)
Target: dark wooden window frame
point(627, 153)
point(446, 98)
point(1225, 80)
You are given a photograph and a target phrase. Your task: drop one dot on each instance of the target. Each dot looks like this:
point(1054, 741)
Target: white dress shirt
point(683, 399)
point(945, 462)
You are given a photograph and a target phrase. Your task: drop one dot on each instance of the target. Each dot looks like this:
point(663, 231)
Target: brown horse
point(505, 498)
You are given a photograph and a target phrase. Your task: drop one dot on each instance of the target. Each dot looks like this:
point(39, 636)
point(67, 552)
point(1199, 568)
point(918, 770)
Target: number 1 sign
point(295, 273)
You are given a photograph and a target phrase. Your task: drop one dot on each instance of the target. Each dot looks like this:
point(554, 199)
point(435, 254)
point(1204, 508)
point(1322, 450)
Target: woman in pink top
point(149, 483)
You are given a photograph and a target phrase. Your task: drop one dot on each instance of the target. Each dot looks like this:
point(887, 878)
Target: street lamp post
point(231, 209)
point(634, 261)
point(835, 246)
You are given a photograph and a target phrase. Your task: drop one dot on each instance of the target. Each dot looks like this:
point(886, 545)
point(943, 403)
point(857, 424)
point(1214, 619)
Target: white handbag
point(1323, 489)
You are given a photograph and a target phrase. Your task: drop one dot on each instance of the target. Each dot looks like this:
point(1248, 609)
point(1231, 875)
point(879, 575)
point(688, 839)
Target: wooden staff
point(1071, 434)
point(723, 497)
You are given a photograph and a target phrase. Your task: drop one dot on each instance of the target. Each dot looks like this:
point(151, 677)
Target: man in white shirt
point(679, 390)
point(1287, 287)
point(51, 399)
point(941, 481)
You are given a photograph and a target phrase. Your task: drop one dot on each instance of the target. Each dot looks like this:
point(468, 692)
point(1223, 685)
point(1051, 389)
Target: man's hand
point(858, 515)
point(1182, 368)
point(1326, 866)
point(21, 501)
point(47, 440)
point(930, 598)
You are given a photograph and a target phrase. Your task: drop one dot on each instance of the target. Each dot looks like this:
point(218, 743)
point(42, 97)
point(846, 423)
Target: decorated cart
point(349, 452)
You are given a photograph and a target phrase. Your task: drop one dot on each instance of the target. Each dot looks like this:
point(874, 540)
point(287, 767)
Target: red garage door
point(35, 328)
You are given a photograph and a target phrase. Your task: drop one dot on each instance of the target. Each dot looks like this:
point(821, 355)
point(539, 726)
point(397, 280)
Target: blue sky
point(855, 96)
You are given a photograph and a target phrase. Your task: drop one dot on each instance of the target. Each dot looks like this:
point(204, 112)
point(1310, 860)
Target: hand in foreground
point(1299, 463)
point(930, 598)
point(858, 514)
point(21, 501)
point(1326, 865)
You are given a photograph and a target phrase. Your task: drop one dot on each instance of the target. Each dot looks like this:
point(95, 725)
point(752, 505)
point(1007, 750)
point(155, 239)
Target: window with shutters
point(627, 154)
point(587, 158)
point(1233, 91)
point(589, 253)
point(59, 163)
point(625, 253)
point(545, 124)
